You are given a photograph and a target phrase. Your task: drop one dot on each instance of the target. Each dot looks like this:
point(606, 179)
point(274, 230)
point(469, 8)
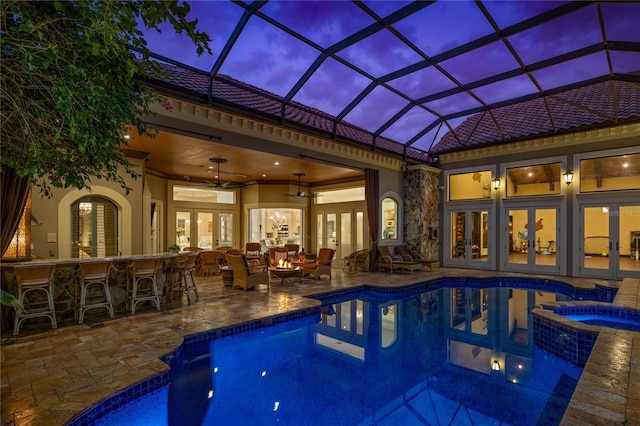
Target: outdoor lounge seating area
point(387, 262)
point(413, 256)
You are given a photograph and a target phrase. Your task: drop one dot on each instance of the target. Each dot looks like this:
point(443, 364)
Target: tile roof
point(229, 91)
point(587, 106)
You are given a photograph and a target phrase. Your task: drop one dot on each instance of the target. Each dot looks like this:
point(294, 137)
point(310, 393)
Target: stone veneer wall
point(421, 201)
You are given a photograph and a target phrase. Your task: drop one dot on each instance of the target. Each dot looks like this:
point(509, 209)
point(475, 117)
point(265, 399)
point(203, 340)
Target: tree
point(72, 83)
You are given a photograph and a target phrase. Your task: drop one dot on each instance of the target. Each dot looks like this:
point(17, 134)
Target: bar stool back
point(94, 273)
point(35, 278)
point(141, 270)
point(185, 269)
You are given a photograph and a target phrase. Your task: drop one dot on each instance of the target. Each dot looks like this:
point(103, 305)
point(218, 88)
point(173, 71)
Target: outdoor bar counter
point(66, 284)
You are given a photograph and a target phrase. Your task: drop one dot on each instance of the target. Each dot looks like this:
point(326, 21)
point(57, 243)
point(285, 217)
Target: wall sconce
point(495, 182)
point(496, 365)
point(568, 177)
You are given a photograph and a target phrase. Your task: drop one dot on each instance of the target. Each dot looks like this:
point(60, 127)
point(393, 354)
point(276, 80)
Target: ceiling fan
point(218, 184)
point(301, 194)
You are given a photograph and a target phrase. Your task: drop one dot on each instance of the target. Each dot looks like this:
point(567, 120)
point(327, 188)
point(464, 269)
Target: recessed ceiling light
point(276, 163)
point(211, 167)
point(530, 174)
point(264, 175)
point(625, 165)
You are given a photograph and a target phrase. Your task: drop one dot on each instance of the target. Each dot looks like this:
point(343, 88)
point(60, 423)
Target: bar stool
point(185, 269)
point(141, 270)
point(94, 272)
point(36, 278)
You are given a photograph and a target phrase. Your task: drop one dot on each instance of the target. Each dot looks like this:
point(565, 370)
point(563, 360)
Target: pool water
point(374, 359)
point(606, 321)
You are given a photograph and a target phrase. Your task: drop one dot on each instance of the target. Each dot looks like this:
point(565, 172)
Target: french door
point(205, 229)
point(470, 238)
point(609, 242)
point(342, 229)
point(532, 240)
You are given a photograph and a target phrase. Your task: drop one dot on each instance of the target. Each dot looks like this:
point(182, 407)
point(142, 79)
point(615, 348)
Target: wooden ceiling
point(185, 158)
point(606, 167)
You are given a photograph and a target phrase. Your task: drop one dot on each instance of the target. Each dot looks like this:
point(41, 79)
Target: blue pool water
point(374, 359)
point(606, 321)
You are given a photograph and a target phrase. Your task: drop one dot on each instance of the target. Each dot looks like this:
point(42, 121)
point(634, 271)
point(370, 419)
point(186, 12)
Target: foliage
point(9, 299)
point(72, 82)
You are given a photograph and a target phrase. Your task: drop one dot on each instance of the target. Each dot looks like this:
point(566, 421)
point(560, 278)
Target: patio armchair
point(210, 262)
point(292, 251)
point(252, 251)
point(386, 262)
point(322, 265)
point(359, 259)
point(276, 254)
point(414, 256)
point(245, 277)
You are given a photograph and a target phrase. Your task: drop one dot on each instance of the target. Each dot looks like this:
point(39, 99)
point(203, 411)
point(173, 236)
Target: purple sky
point(270, 58)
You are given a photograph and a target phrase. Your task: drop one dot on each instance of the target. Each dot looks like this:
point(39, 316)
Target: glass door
point(341, 229)
point(205, 229)
point(610, 240)
point(469, 237)
point(532, 238)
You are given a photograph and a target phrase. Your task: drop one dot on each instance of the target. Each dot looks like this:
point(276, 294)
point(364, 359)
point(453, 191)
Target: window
point(541, 179)
point(340, 195)
point(389, 216)
point(203, 195)
point(94, 228)
point(275, 226)
point(470, 186)
point(613, 173)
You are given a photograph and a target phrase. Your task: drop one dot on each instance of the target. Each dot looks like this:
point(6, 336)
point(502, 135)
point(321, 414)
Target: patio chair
point(359, 259)
point(276, 254)
point(414, 256)
point(252, 251)
point(245, 277)
point(322, 265)
point(386, 262)
point(292, 250)
point(210, 262)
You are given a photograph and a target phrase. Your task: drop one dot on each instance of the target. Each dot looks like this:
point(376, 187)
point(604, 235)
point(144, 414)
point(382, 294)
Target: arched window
point(94, 228)
point(389, 219)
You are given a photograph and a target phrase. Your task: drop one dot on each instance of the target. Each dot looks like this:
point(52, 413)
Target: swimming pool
point(449, 355)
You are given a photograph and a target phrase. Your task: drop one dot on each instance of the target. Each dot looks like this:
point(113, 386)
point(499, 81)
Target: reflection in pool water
point(451, 355)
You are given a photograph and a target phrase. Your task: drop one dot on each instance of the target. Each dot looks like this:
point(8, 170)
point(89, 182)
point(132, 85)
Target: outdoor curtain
point(13, 198)
point(372, 193)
